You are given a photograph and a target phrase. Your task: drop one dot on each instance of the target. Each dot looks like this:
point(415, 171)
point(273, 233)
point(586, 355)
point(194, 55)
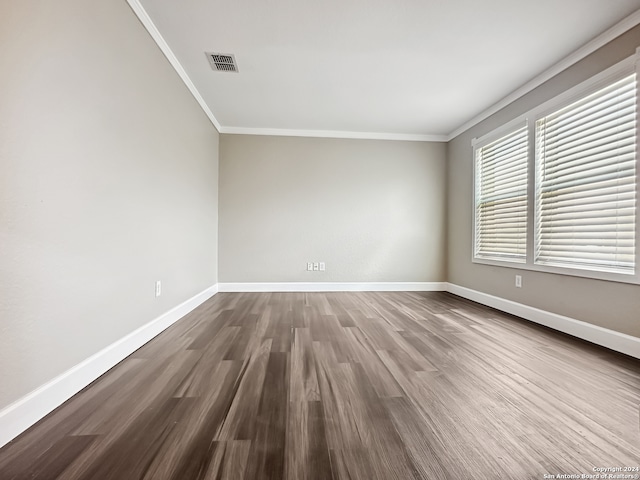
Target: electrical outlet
point(518, 281)
point(309, 266)
point(322, 266)
point(316, 266)
point(158, 288)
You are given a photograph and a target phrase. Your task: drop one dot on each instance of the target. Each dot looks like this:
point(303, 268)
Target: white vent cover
point(222, 62)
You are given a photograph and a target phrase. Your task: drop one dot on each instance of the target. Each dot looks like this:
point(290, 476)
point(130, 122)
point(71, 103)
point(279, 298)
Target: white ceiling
point(405, 68)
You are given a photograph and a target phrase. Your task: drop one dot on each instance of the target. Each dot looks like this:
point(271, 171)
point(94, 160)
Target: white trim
point(144, 17)
point(477, 144)
point(501, 131)
point(591, 85)
point(637, 234)
point(605, 337)
point(607, 36)
point(621, 27)
point(334, 287)
point(23, 413)
point(600, 80)
point(146, 20)
point(283, 132)
point(633, 279)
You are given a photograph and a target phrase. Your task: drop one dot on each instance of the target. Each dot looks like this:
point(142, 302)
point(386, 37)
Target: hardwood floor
point(321, 386)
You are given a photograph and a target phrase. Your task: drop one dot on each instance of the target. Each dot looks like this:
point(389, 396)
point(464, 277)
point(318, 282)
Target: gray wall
point(372, 210)
point(108, 182)
point(608, 304)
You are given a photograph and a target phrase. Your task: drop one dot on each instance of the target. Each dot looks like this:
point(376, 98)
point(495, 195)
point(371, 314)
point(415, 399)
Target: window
point(586, 182)
point(565, 201)
point(501, 198)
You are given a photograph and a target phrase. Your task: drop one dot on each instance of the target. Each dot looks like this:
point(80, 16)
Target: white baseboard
point(617, 341)
point(20, 415)
point(334, 287)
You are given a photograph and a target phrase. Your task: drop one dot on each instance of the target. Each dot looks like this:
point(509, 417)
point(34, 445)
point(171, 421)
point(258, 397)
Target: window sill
point(633, 279)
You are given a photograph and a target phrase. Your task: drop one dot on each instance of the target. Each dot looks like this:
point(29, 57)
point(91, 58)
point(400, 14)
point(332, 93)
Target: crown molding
point(607, 36)
point(601, 40)
point(283, 132)
point(144, 17)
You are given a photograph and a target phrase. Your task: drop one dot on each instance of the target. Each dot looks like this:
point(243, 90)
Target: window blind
point(586, 182)
point(501, 198)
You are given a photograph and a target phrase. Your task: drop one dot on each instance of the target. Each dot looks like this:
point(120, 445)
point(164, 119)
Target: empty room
point(319, 240)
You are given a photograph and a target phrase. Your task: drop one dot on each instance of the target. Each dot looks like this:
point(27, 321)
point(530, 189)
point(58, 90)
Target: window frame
point(618, 71)
point(497, 134)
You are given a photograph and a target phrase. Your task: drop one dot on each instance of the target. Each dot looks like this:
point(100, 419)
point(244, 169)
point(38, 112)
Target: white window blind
point(586, 182)
point(501, 198)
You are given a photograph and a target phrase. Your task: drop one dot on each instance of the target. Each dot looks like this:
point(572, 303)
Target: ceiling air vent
point(222, 62)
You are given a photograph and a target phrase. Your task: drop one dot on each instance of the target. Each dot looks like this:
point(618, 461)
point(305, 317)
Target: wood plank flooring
point(302, 386)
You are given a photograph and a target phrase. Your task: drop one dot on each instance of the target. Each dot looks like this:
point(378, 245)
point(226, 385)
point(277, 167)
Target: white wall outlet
point(322, 266)
point(518, 281)
point(316, 266)
point(309, 266)
point(158, 288)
